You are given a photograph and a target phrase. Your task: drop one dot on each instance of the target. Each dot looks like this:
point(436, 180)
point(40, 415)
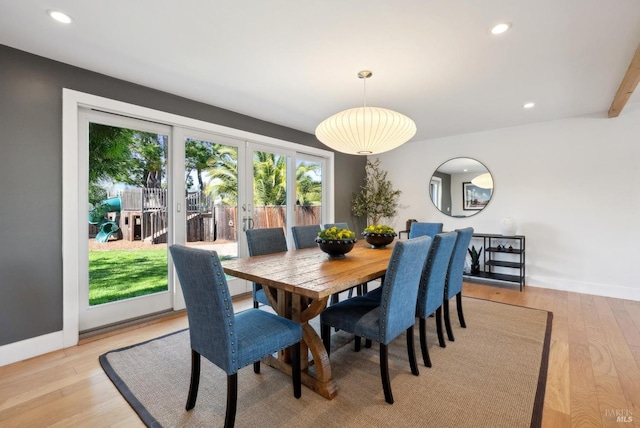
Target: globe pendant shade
point(484, 181)
point(365, 130)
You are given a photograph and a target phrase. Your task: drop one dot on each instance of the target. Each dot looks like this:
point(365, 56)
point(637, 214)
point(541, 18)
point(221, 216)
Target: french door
point(197, 184)
point(285, 188)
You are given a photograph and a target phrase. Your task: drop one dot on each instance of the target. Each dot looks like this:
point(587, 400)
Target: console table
point(507, 253)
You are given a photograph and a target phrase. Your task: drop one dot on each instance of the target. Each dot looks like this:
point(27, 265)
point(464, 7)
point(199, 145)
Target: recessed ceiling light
point(500, 28)
point(60, 16)
point(528, 105)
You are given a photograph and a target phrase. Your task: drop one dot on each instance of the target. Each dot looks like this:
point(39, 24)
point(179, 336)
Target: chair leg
point(358, 341)
point(365, 288)
point(441, 341)
point(325, 332)
point(295, 370)
point(384, 373)
point(334, 298)
point(256, 367)
point(423, 343)
point(459, 306)
point(255, 304)
point(411, 350)
point(195, 380)
point(232, 400)
point(367, 343)
point(447, 320)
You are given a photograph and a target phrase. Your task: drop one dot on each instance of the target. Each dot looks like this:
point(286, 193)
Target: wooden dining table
point(298, 285)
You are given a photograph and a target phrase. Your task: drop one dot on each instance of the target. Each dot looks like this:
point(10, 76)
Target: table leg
point(299, 309)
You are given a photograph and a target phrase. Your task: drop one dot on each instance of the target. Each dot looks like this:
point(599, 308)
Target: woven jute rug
point(493, 375)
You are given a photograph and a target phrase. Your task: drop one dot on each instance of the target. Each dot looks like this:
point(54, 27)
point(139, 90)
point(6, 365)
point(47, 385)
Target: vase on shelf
point(508, 226)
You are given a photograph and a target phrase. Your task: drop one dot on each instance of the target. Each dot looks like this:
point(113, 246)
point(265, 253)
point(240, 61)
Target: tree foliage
point(308, 189)
point(109, 150)
point(376, 198)
point(148, 160)
point(223, 175)
point(198, 155)
point(121, 155)
point(269, 179)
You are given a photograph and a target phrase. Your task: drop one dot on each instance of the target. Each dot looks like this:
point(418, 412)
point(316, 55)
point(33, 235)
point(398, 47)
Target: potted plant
point(379, 235)
point(475, 258)
point(376, 199)
point(336, 241)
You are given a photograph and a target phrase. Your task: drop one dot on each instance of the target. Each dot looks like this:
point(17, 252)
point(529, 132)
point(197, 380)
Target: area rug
point(494, 374)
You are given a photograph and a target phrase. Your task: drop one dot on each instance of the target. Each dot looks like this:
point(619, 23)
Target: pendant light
point(484, 181)
point(365, 130)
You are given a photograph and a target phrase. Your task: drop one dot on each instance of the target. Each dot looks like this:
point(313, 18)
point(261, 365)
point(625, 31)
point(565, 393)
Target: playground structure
point(106, 225)
point(140, 214)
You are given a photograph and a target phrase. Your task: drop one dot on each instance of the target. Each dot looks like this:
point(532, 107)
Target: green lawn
point(117, 275)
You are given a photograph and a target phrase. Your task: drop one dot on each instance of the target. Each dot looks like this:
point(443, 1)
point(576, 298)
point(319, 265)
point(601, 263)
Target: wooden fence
point(205, 221)
point(263, 217)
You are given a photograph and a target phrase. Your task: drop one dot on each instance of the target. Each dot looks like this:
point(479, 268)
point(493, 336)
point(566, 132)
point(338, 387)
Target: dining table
point(298, 285)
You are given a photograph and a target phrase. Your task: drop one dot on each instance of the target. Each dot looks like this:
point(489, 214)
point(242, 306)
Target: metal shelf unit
point(494, 257)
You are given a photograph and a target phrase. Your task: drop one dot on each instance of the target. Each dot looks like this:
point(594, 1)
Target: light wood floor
point(594, 367)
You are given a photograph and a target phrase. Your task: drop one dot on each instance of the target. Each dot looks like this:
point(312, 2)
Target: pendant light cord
point(364, 75)
point(364, 95)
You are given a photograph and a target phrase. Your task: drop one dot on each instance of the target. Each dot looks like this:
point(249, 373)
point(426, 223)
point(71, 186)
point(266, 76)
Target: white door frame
point(74, 215)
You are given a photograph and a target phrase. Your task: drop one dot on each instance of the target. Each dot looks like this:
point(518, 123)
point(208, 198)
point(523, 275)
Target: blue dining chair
point(305, 236)
point(453, 284)
point(384, 320)
point(230, 341)
point(424, 229)
point(431, 290)
point(261, 242)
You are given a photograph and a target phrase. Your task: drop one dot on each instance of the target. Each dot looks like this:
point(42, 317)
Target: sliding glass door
point(125, 188)
point(142, 185)
point(210, 183)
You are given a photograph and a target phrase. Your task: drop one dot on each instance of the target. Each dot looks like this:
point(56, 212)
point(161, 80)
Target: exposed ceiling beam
point(627, 86)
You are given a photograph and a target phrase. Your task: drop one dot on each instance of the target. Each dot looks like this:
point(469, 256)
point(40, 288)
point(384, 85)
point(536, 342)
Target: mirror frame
point(443, 178)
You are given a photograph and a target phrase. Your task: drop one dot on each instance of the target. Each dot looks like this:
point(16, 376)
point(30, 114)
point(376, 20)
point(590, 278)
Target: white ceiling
point(295, 63)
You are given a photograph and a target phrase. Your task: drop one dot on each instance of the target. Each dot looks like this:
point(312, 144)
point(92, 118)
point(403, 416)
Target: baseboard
point(28, 348)
point(605, 290)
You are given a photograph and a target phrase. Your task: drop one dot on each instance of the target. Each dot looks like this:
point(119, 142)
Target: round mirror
point(461, 187)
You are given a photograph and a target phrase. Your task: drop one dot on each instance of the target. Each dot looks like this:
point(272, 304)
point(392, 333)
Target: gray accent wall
point(446, 191)
point(31, 177)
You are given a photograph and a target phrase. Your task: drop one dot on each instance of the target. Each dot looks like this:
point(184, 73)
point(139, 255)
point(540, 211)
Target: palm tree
point(223, 174)
point(269, 179)
point(308, 189)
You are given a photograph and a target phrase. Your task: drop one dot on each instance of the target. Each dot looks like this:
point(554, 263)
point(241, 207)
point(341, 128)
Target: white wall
point(572, 186)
